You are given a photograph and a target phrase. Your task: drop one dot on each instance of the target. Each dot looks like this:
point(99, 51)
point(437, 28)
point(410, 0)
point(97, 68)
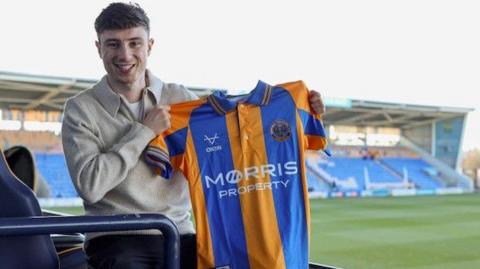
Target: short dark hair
point(119, 16)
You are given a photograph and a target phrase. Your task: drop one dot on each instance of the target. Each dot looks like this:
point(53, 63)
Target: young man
point(104, 132)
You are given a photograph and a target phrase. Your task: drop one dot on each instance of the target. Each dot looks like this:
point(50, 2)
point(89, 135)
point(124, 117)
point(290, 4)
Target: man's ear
point(97, 44)
point(151, 41)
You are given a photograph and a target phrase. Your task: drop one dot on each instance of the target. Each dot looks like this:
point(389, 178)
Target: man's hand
point(158, 119)
point(316, 102)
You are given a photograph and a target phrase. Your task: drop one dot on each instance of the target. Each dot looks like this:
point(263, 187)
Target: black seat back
point(18, 200)
point(22, 163)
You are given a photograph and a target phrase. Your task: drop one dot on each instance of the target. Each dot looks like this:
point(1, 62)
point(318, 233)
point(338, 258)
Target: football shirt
point(243, 158)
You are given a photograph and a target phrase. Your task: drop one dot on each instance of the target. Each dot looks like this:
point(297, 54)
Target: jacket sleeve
point(95, 169)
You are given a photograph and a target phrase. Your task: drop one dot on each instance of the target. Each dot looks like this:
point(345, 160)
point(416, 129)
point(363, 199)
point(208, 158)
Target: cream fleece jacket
point(103, 146)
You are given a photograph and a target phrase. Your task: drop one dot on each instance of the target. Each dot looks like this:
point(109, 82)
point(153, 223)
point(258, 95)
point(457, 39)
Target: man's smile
point(124, 68)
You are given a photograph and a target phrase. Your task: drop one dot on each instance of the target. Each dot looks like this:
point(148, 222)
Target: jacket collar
point(259, 96)
point(111, 100)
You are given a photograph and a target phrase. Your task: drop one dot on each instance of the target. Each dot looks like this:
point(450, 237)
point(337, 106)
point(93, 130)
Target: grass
point(68, 210)
point(395, 232)
point(401, 232)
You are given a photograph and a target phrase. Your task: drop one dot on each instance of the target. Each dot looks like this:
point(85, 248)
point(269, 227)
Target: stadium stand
point(36, 141)
point(389, 168)
point(54, 170)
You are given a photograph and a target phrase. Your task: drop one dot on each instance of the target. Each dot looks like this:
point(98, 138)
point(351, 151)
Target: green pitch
point(431, 232)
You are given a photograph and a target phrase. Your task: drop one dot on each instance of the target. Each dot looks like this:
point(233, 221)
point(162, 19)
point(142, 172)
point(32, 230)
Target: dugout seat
point(18, 200)
point(25, 240)
point(22, 163)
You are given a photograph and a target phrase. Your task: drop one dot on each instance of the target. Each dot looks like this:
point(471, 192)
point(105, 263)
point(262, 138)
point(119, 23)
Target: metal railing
point(81, 224)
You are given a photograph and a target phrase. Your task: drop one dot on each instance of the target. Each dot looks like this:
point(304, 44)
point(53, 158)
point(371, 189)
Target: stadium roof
point(382, 114)
point(34, 92)
point(38, 92)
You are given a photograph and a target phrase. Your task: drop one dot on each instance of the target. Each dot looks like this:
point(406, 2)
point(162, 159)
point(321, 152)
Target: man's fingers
point(163, 107)
point(316, 102)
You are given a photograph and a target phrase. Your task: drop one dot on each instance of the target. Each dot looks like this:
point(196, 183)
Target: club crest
point(280, 130)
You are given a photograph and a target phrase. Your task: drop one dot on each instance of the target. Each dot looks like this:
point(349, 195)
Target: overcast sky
point(419, 52)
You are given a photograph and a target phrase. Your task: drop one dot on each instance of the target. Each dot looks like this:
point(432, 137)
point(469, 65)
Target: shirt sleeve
point(168, 151)
point(314, 134)
point(165, 152)
point(313, 131)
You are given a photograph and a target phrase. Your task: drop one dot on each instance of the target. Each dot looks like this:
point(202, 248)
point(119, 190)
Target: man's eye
point(112, 45)
point(135, 44)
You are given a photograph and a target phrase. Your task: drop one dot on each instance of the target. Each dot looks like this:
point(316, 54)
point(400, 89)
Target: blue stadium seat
point(24, 233)
point(345, 167)
point(315, 184)
point(381, 173)
point(417, 171)
point(54, 170)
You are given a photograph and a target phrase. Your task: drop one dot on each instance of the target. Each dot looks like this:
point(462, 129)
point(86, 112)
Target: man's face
point(124, 54)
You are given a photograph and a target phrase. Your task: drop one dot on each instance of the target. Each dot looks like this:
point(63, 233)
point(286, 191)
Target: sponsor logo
point(254, 179)
point(211, 140)
point(280, 130)
point(259, 186)
point(258, 172)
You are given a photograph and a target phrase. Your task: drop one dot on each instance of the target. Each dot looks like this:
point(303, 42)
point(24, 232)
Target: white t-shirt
point(136, 109)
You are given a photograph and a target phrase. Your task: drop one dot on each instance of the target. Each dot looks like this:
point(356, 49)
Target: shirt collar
point(259, 96)
point(112, 101)
point(155, 86)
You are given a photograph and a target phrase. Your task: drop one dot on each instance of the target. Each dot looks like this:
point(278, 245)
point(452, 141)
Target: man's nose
point(125, 53)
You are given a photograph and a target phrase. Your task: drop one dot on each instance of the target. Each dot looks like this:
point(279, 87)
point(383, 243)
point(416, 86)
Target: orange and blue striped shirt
point(243, 158)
